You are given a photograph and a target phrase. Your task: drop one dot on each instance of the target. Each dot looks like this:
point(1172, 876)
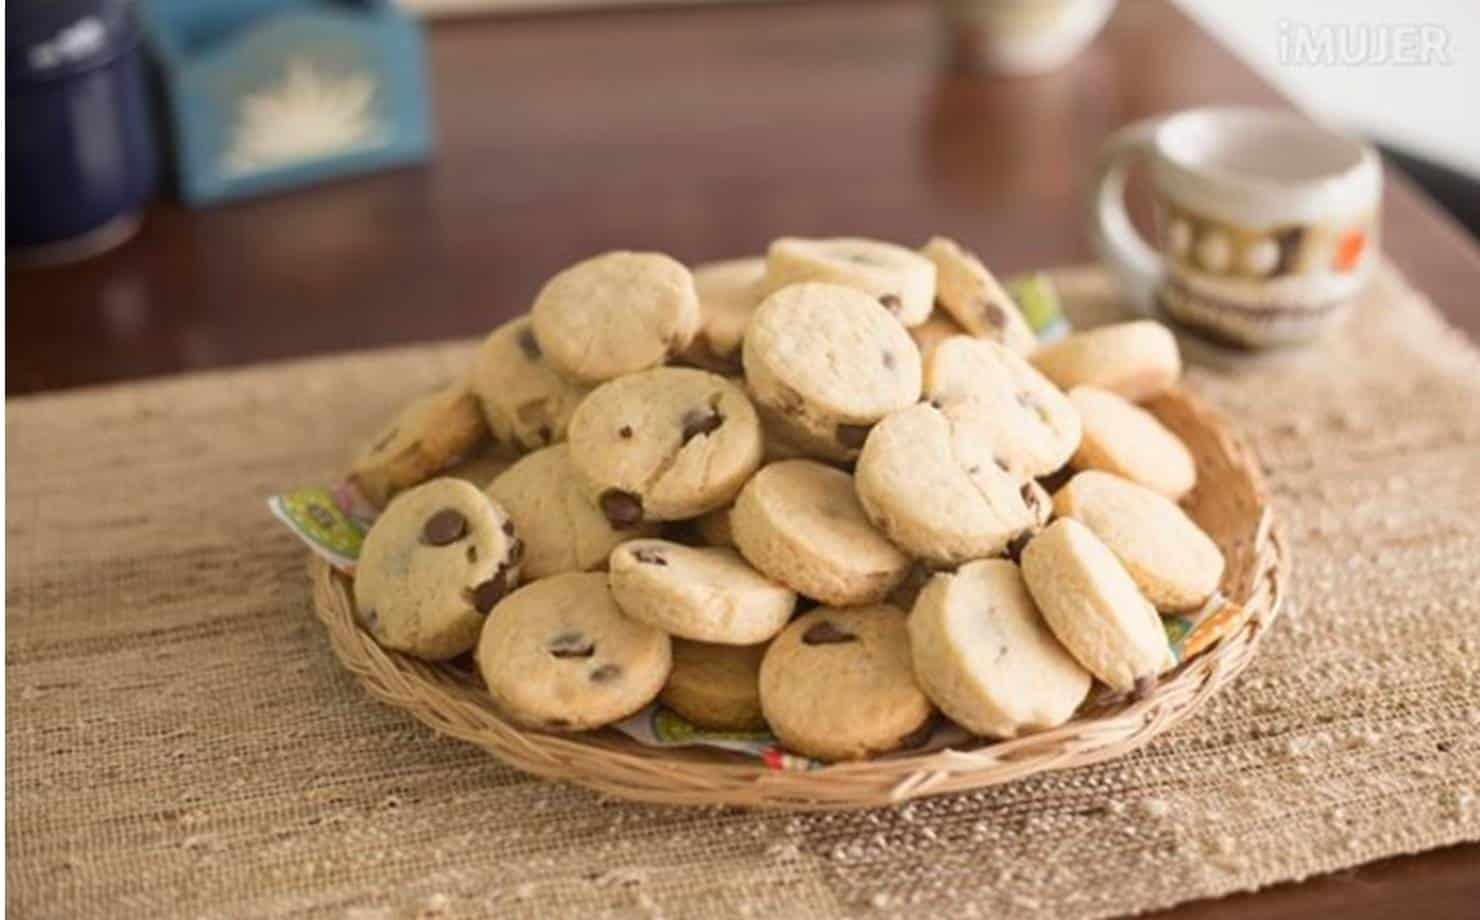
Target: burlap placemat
point(180, 741)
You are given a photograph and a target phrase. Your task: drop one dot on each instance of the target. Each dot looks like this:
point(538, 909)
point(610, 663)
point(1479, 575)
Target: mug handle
point(1119, 246)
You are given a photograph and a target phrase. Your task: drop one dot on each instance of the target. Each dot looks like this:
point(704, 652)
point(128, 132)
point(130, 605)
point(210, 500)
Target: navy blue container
point(80, 162)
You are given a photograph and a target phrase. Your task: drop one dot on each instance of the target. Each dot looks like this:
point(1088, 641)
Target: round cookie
point(1122, 438)
point(729, 292)
point(716, 687)
point(900, 280)
point(560, 654)
point(1175, 564)
point(969, 293)
point(936, 329)
point(524, 400)
point(1029, 423)
point(828, 362)
point(665, 444)
point(1138, 360)
point(935, 488)
point(713, 528)
point(984, 655)
point(708, 594)
point(424, 438)
point(562, 529)
point(838, 684)
point(480, 469)
point(1093, 607)
point(800, 522)
point(615, 314)
point(432, 566)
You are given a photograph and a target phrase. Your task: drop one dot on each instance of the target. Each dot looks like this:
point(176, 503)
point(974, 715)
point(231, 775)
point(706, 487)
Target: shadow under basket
point(1230, 503)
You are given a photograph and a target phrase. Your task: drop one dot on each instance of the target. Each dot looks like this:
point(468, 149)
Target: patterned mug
point(1266, 223)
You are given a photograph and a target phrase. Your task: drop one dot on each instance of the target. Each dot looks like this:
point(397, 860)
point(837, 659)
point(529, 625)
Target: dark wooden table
point(702, 133)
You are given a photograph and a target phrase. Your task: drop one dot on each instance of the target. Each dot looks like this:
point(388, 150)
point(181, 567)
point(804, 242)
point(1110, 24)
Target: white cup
point(1266, 223)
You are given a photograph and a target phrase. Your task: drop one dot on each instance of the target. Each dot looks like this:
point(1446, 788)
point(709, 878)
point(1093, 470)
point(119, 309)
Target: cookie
point(1137, 360)
point(984, 655)
point(615, 314)
point(800, 522)
point(562, 529)
point(903, 282)
point(1029, 423)
point(729, 292)
point(665, 444)
point(936, 329)
point(716, 687)
point(838, 684)
point(969, 293)
point(525, 401)
point(1093, 606)
point(432, 566)
point(1175, 564)
point(708, 594)
point(559, 654)
point(426, 437)
point(828, 362)
point(935, 488)
point(713, 528)
point(1122, 438)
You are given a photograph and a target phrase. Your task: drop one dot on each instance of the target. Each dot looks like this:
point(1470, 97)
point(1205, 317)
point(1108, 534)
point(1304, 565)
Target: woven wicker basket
point(1229, 502)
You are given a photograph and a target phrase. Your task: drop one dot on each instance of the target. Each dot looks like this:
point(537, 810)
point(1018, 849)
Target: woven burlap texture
point(181, 742)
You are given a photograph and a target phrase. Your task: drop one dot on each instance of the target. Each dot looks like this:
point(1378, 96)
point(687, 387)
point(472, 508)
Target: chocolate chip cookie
point(966, 290)
point(903, 282)
point(426, 437)
point(559, 654)
point(562, 529)
point(664, 445)
point(984, 655)
point(827, 362)
point(615, 314)
point(838, 684)
point(709, 594)
point(1122, 438)
point(800, 522)
point(716, 687)
point(432, 566)
point(525, 401)
point(1138, 360)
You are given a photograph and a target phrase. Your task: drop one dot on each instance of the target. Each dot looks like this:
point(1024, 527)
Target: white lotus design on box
point(308, 114)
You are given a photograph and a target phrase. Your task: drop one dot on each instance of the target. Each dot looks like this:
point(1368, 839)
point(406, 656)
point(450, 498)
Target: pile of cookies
point(835, 492)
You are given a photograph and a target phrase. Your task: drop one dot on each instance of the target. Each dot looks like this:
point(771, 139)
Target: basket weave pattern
point(1229, 502)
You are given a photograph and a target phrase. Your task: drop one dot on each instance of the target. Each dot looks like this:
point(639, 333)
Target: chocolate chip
point(919, 736)
point(516, 550)
point(852, 436)
point(472, 553)
point(557, 723)
point(606, 674)
point(385, 440)
point(859, 257)
point(490, 592)
point(825, 633)
point(622, 509)
point(1057, 479)
point(546, 435)
point(571, 645)
point(528, 344)
point(993, 314)
point(892, 303)
point(445, 526)
point(1145, 685)
point(508, 528)
point(1017, 544)
point(625, 431)
point(700, 421)
point(1030, 498)
point(1001, 464)
point(889, 360)
point(649, 556)
point(973, 470)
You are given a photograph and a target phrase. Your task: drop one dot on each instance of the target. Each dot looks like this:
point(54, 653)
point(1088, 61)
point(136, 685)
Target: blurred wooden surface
point(703, 132)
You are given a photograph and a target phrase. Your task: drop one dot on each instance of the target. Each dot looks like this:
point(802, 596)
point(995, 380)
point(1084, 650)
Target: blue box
point(265, 95)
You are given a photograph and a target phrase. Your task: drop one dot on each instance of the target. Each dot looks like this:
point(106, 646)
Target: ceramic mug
point(1266, 224)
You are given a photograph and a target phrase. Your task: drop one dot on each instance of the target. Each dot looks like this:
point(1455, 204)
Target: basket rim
point(452, 703)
